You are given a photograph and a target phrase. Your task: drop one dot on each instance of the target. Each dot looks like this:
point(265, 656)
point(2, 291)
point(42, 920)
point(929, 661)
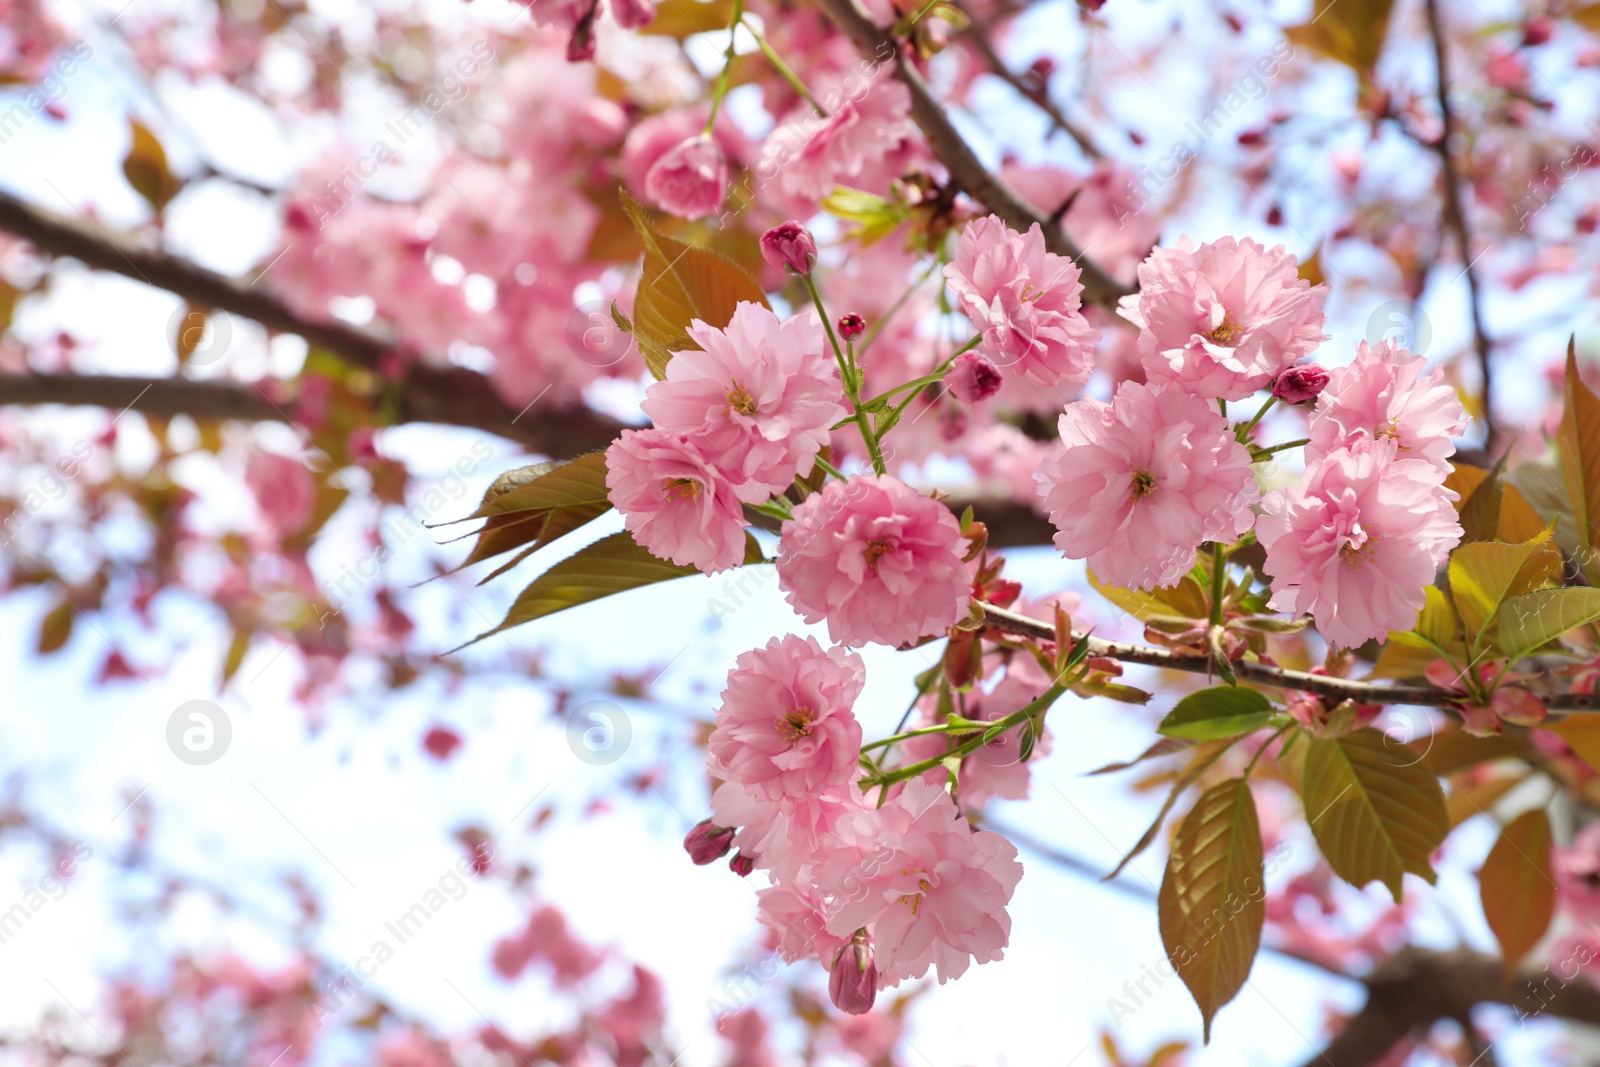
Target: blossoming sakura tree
point(1267, 327)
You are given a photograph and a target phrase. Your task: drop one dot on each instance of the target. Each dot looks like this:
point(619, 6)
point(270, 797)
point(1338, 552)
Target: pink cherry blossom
point(875, 558)
point(1026, 302)
point(673, 501)
point(757, 398)
point(1357, 542)
point(1224, 319)
point(786, 726)
point(1384, 394)
point(783, 836)
point(653, 137)
point(689, 180)
point(862, 144)
point(930, 890)
point(798, 923)
point(1143, 481)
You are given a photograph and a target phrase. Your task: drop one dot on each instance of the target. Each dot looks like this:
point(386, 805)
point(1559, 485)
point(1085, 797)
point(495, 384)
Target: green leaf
point(55, 629)
point(1485, 573)
point(1374, 807)
point(1578, 442)
point(1212, 902)
point(1529, 621)
point(613, 564)
point(1517, 887)
point(1186, 600)
point(681, 283)
point(1215, 713)
point(1480, 512)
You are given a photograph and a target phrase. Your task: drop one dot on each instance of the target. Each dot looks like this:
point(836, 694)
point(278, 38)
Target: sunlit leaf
point(1212, 899)
point(1517, 887)
point(1530, 621)
point(1351, 32)
point(55, 629)
point(145, 167)
point(1375, 808)
point(1485, 573)
point(680, 283)
point(1215, 713)
point(1578, 441)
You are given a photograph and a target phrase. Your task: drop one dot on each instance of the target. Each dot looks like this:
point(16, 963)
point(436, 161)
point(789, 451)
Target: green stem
point(921, 731)
point(937, 375)
point(831, 469)
point(1279, 732)
point(786, 71)
point(1261, 452)
point(972, 744)
point(1244, 431)
point(1219, 578)
point(720, 90)
point(900, 302)
point(852, 384)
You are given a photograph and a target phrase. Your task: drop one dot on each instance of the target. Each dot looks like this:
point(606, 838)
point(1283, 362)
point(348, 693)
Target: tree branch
point(1416, 987)
point(1322, 685)
point(449, 395)
point(952, 149)
point(1456, 218)
point(1037, 95)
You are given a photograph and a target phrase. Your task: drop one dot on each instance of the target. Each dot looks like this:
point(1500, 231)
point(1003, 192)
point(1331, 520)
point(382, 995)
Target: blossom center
point(1143, 482)
point(794, 724)
point(1225, 332)
point(914, 900)
point(1357, 548)
point(681, 489)
point(874, 551)
point(740, 400)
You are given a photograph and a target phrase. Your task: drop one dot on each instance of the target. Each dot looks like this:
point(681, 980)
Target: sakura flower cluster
point(736, 420)
point(1145, 479)
point(1360, 538)
point(878, 893)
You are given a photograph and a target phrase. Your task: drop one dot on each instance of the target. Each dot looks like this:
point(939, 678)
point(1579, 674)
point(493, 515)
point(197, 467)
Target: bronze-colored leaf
point(1578, 441)
point(1213, 898)
point(1517, 887)
point(681, 283)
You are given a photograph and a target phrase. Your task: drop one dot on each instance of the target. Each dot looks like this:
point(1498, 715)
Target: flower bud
point(741, 865)
point(972, 378)
point(707, 843)
point(1299, 384)
point(789, 245)
point(852, 326)
point(853, 982)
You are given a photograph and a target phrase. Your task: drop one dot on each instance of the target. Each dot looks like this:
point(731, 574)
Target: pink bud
point(973, 377)
point(441, 742)
point(690, 179)
point(789, 245)
point(707, 843)
point(852, 326)
point(741, 865)
point(1299, 384)
point(853, 982)
point(1537, 30)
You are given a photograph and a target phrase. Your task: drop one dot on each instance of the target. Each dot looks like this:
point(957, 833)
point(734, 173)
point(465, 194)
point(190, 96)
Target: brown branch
point(1278, 677)
point(966, 169)
point(1456, 218)
point(1417, 987)
point(1037, 95)
point(450, 395)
